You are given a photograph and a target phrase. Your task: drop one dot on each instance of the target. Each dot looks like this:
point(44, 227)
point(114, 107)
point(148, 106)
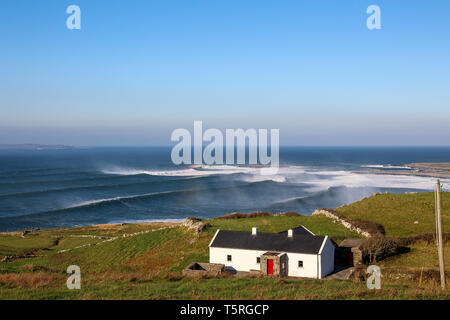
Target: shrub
point(290, 214)
point(426, 237)
point(377, 248)
point(234, 215)
point(429, 275)
point(259, 214)
point(238, 215)
point(372, 227)
point(359, 273)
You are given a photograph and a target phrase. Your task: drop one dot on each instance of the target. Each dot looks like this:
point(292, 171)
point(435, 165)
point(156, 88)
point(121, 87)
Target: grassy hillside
point(398, 212)
point(149, 265)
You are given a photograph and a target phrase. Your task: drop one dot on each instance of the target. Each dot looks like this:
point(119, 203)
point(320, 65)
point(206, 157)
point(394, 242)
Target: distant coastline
point(31, 146)
point(421, 169)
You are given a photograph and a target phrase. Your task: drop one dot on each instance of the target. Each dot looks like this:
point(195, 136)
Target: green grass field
point(148, 266)
point(398, 212)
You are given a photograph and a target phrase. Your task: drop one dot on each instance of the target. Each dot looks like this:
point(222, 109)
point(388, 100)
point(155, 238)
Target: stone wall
point(357, 256)
point(255, 273)
point(345, 223)
point(203, 269)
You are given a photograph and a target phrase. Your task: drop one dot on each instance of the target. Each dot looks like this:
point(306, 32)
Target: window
point(229, 257)
point(258, 260)
point(300, 263)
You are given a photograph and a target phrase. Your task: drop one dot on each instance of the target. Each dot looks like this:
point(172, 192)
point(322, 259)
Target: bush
point(377, 248)
point(234, 215)
point(238, 215)
point(372, 227)
point(290, 214)
point(259, 214)
point(426, 237)
point(429, 275)
point(359, 273)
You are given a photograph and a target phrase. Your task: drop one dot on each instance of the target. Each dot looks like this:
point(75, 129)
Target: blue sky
point(137, 70)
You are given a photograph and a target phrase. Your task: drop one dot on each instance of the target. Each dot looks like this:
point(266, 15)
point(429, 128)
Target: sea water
point(83, 186)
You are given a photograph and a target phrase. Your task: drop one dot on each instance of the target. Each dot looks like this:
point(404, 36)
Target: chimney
point(290, 233)
point(254, 231)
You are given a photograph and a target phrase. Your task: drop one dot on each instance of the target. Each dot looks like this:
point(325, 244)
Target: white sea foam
point(91, 202)
point(260, 178)
point(315, 180)
point(250, 174)
point(318, 179)
point(385, 166)
point(186, 172)
point(353, 180)
point(145, 221)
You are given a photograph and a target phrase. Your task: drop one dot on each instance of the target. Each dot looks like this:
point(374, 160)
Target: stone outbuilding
point(349, 252)
point(203, 269)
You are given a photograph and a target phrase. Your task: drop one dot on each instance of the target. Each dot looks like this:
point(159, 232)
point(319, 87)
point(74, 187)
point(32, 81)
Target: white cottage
point(294, 253)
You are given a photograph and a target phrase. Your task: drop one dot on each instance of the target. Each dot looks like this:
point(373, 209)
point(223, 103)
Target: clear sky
point(137, 70)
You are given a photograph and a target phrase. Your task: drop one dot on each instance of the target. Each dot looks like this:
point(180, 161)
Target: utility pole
point(439, 234)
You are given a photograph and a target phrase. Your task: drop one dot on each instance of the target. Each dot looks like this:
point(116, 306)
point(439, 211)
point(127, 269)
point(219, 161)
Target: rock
point(196, 224)
point(6, 259)
point(25, 232)
point(416, 222)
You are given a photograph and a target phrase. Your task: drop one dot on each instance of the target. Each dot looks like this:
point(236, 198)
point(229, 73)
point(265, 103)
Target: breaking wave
point(385, 166)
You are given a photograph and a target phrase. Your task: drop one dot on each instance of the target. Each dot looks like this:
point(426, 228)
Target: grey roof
point(298, 230)
point(299, 243)
point(351, 243)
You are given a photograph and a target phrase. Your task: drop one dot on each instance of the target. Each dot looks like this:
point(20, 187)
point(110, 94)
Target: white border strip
point(209, 245)
point(323, 245)
point(308, 230)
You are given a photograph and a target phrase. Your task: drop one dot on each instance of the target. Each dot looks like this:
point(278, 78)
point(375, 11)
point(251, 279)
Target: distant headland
point(423, 169)
point(31, 146)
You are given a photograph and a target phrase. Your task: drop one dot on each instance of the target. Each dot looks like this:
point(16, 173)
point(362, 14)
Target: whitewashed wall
point(327, 258)
point(310, 266)
point(242, 260)
point(314, 266)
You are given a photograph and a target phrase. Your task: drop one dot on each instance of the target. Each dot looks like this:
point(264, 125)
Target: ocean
point(85, 186)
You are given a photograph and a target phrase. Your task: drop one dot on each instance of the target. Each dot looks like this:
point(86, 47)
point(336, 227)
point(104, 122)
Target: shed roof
point(351, 243)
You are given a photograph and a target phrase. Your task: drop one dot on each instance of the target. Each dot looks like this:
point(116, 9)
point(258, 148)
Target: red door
point(269, 266)
point(350, 259)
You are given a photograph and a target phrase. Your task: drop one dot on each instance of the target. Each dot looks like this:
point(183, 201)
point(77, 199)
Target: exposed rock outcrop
point(195, 224)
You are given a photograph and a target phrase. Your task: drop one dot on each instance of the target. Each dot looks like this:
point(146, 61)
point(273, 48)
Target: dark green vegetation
point(149, 265)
